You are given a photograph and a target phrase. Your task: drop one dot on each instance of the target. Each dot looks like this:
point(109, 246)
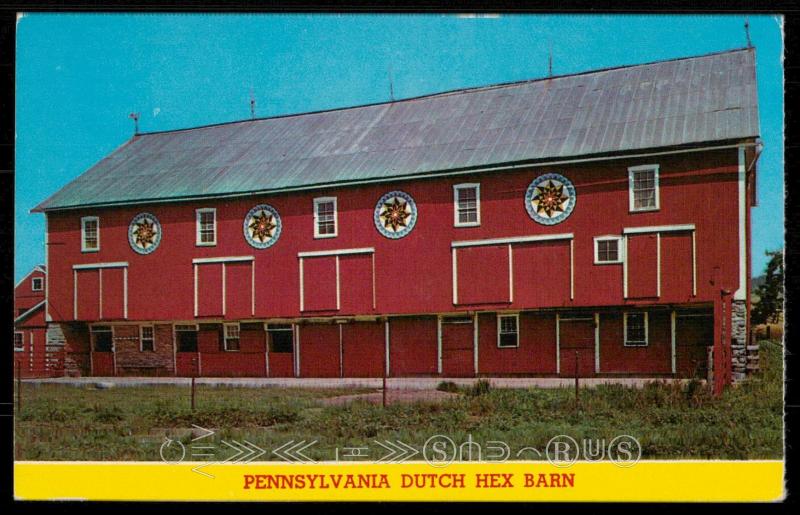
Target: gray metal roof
point(669, 103)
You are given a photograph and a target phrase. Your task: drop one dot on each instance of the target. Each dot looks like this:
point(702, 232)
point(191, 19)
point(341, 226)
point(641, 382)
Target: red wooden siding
point(642, 266)
point(458, 349)
point(676, 267)
point(238, 287)
point(536, 353)
point(483, 274)
point(542, 274)
point(319, 283)
point(102, 363)
point(363, 349)
point(187, 364)
point(209, 289)
point(355, 283)
point(412, 347)
point(88, 286)
point(319, 350)
point(577, 345)
point(281, 364)
point(113, 293)
point(656, 357)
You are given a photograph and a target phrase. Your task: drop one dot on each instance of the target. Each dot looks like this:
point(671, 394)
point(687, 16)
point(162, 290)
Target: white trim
point(74, 294)
point(658, 228)
point(643, 168)
point(741, 292)
point(15, 341)
point(41, 284)
point(322, 186)
point(47, 317)
point(224, 303)
point(141, 337)
point(253, 288)
point(100, 296)
point(297, 350)
point(500, 316)
point(374, 289)
point(475, 342)
point(439, 344)
point(338, 286)
point(625, 266)
point(302, 298)
point(194, 267)
point(510, 274)
point(386, 340)
point(694, 264)
point(597, 343)
point(625, 329)
point(608, 237)
point(30, 310)
point(341, 349)
point(197, 213)
point(321, 200)
point(225, 338)
point(227, 259)
point(464, 186)
point(658, 264)
point(92, 266)
point(36, 268)
point(571, 269)
point(30, 352)
point(512, 239)
point(558, 343)
point(125, 293)
point(455, 276)
point(339, 252)
point(85, 219)
point(673, 349)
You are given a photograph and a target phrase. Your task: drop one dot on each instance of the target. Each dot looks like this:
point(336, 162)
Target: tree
point(770, 293)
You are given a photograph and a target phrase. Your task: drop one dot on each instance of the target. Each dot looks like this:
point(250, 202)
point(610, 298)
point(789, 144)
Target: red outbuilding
point(595, 224)
point(32, 356)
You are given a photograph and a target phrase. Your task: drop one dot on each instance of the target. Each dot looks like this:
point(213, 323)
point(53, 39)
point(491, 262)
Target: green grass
point(67, 423)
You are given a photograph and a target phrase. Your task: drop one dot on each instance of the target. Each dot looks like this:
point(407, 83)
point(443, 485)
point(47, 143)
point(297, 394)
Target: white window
point(281, 338)
point(467, 205)
point(19, 342)
point(147, 341)
point(90, 234)
point(206, 227)
point(325, 225)
point(508, 331)
point(607, 249)
point(231, 340)
point(643, 188)
point(102, 337)
point(635, 329)
point(37, 284)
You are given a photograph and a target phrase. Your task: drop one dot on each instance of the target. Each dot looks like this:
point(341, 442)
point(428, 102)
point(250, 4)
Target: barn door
point(694, 334)
point(458, 347)
point(576, 344)
point(187, 357)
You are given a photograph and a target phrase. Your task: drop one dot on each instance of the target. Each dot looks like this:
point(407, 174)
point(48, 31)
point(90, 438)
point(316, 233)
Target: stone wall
point(738, 340)
point(132, 361)
point(67, 349)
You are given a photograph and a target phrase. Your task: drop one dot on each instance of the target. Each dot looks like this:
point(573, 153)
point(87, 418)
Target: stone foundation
point(738, 340)
point(67, 349)
point(130, 361)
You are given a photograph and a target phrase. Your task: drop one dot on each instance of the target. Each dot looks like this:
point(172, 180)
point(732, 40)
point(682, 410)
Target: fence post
point(384, 388)
point(192, 393)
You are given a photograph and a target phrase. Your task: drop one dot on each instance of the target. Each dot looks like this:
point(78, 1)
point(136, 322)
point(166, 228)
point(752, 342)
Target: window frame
point(198, 226)
point(500, 316)
point(142, 338)
point(22, 339)
point(625, 342)
point(274, 328)
point(631, 203)
point(184, 328)
point(620, 249)
point(33, 283)
point(97, 329)
point(464, 186)
point(85, 219)
point(325, 200)
point(225, 336)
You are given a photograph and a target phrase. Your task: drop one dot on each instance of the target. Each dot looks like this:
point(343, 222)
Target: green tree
point(770, 293)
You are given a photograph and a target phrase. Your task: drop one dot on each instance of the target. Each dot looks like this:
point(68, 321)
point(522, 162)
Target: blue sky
point(80, 75)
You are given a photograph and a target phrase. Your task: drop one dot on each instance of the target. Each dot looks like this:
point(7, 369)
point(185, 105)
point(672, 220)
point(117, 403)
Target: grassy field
point(68, 423)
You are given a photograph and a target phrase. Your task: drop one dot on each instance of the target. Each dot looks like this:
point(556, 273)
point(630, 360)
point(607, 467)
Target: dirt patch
point(392, 397)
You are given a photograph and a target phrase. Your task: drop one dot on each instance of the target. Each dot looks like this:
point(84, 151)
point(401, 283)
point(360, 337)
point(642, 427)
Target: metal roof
point(662, 104)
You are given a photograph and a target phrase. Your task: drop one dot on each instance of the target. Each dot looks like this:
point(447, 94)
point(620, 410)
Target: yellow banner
point(410, 481)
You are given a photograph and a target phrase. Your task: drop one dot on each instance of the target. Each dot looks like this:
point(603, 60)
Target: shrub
point(447, 386)
point(482, 387)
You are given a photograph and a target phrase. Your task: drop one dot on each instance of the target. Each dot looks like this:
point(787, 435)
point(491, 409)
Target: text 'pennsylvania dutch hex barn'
point(595, 223)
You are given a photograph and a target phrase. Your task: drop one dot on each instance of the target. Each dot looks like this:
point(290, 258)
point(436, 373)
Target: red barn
point(32, 356)
point(595, 223)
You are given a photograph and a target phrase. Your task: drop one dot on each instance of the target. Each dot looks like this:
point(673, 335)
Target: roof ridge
point(457, 91)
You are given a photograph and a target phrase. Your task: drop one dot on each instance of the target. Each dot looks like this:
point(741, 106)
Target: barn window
point(467, 205)
point(90, 234)
point(147, 341)
point(508, 331)
point(280, 337)
point(19, 342)
point(643, 187)
point(607, 249)
point(102, 338)
point(206, 227)
point(37, 284)
point(231, 340)
point(325, 217)
point(635, 329)
point(186, 337)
